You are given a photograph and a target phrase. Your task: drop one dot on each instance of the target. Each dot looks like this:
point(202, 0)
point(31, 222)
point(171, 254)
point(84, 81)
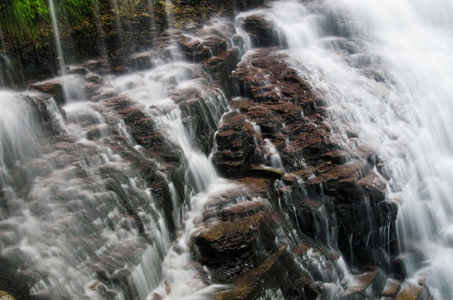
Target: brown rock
point(413, 291)
point(372, 281)
point(392, 288)
point(235, 145)
point(53, 87)
point(262, 32)
point(223, 240)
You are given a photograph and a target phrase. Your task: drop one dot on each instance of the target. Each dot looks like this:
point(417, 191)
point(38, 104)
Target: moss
point(6, 296)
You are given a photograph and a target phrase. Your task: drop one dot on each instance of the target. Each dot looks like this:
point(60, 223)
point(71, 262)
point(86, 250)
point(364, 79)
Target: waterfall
point(53, 14)
point(110, 188)
point(385, 69)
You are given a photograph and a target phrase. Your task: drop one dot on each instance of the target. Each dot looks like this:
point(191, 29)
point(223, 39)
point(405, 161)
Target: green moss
point(5, 296)
point(29, 19)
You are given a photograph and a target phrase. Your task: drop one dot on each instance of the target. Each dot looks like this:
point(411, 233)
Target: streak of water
point(53, 14)
point(386, 68)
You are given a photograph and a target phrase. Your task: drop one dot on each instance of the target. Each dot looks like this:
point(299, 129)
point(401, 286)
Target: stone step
point(414, 290)
point(365, 284)
point(392, 288)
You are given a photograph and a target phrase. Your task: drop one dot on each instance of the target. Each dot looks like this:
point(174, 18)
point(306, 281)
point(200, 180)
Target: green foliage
point(28, 19)
point(74, 10)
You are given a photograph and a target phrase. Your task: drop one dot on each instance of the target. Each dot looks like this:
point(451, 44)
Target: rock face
point(301, 199)
point(345, 182)
point(334, 195)
point(235, 145)
point(263, 32)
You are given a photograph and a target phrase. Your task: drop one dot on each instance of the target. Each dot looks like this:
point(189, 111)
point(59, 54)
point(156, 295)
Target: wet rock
point(5, 296)
point(14, 283)
point(371, 282)
point(324, 182)
point(219, 241)
point(190, 45)
point(75, 70)
point(100, 66)
point(235, 145)
point(406, 264)
point(53, 87)
point(221, 65)
point(143, 61)
point(391, 288)
point(369, 255)
point(262, 32)
point(266, 172)
point(270, 270)
point(411, 290)
point(242, 210)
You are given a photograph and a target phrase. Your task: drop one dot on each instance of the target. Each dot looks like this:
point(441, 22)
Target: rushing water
point(386, 68)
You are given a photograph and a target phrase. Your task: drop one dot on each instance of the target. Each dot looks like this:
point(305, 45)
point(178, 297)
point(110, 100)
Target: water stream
point(385, 69)
point(57, 37)
point(76, 211)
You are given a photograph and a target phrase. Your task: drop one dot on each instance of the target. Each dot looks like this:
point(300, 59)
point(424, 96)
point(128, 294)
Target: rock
point(406, 264)
point(241, 210)
point(190, 45)
point(53, 87)
point(322, 178)
point(143, 61)
point(13, 283)
point(371, 282)
point(75, 70)
point(262, 32)
point(5, 296)
point(235, 145)
point(98, 66)
point(221, 65)
point(219, 241)
point(266, 172)
point(411, 290)
point(391, 288)
point(370, 255)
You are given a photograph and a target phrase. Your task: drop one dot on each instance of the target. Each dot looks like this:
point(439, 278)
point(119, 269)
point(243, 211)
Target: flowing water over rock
point(384, 69)
point(300, 153)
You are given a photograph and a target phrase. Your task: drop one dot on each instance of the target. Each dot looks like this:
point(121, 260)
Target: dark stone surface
point(263, 32)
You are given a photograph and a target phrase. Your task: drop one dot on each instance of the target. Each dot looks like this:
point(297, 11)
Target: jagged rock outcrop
point(235, 145)
point(302, 201)
point(326, 188)
point(263, 32)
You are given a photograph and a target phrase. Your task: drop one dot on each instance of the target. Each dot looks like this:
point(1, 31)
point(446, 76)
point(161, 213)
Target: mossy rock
point(5, 296)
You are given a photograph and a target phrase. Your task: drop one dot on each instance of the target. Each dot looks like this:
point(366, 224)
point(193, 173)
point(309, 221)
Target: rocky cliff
point(308, 198)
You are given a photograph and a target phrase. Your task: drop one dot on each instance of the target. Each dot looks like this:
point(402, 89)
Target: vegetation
point(29, 19)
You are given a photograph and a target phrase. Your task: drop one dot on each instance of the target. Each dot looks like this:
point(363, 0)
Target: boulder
point(262, 32)
point(235, 145)
point(326, 186)
point(414, 290)
point(52, 87)
point(392, 288)
point(371, 282)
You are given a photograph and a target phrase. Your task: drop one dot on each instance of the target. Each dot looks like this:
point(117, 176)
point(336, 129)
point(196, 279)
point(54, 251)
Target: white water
point(60, 227)
point(202, 183)
point(53, 14)
point(404, 116)
point(386, 67)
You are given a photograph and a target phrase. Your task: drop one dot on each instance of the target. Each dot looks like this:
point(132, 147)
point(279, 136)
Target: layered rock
point(263, 32)
point(303, 198)
point(333, 194)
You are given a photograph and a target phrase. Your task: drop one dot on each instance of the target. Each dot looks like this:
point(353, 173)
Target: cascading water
point(82, 214)
point(60, 58)
point(385, 69)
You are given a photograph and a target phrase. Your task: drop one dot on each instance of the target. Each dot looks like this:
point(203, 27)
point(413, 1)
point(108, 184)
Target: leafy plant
point(28, 19)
